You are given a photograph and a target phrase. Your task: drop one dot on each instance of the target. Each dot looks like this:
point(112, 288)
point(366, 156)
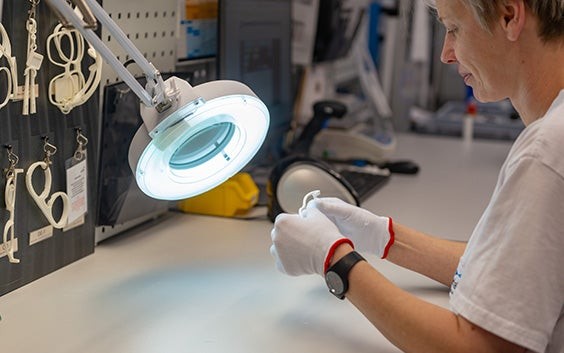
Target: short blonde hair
point(550, 14)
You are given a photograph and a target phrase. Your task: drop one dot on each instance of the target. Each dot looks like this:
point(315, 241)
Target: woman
point(507, 283)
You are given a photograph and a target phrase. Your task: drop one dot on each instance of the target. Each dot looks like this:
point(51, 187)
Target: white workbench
point(206, 284)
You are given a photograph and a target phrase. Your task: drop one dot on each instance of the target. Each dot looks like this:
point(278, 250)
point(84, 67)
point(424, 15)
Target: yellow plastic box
point(234, 197)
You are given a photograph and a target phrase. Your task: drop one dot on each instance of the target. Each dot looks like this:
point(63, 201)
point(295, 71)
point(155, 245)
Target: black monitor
point(254, 47)
point(338, 22)
point(121, 203)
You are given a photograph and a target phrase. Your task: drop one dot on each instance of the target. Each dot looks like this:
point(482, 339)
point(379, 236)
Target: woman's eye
point(451, 30)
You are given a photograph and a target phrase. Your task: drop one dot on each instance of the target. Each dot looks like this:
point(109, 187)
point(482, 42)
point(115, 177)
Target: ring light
point(208, 145)
point(192, 138)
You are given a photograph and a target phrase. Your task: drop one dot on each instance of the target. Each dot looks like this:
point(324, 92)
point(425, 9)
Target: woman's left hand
point(301, 244)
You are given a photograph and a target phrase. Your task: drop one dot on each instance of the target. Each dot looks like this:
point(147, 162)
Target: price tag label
point(77, 189)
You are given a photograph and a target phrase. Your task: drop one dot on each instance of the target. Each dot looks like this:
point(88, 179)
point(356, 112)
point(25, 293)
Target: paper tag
point(19, 93)
point(77, 188)
point(34, 60)
point(40, 234)
point(77, 223)
point(8, 244)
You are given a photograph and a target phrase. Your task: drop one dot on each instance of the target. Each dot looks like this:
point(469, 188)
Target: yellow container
point(201, 9)
point(234, 197)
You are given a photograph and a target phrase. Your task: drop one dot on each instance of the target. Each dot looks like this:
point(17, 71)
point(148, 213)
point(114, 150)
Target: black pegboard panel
point(25, 134)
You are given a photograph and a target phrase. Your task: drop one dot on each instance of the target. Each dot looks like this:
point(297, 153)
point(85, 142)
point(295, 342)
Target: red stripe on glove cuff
point(332, 249)
point(392, 238)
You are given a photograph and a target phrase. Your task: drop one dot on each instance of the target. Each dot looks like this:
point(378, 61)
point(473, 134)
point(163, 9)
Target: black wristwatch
point(337, 276)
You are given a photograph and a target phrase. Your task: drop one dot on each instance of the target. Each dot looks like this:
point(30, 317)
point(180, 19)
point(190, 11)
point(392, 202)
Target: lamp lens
point(203, 146)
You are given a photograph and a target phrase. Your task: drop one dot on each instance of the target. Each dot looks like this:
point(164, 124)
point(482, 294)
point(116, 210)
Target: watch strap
point(342, 269)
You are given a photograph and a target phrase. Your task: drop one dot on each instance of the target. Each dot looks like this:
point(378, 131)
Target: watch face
point(335, 283)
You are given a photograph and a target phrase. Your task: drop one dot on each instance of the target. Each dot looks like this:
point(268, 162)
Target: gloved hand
point(304, 244)
point(369, 232)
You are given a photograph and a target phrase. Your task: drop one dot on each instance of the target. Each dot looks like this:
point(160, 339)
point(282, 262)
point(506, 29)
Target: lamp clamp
point(185, 105)
point(161, 98)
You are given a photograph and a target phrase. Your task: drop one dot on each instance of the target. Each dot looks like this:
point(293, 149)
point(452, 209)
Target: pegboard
point(151, 26)
point(25, 134)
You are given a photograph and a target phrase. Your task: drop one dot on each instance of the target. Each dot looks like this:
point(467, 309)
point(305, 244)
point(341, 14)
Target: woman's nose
point(447, 54)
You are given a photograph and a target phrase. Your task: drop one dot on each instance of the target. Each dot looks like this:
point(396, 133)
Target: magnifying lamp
point(192, 138)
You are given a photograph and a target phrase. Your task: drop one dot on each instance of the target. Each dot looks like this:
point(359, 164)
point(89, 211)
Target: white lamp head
point(210, 133)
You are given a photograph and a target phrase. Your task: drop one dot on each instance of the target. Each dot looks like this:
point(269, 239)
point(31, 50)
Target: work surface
point(206, 284)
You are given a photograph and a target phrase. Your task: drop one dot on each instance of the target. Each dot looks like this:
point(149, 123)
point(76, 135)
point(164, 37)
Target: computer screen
point(254, 48)
point(338, 22)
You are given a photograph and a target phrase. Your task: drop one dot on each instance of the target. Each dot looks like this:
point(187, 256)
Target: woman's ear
point(513, 18)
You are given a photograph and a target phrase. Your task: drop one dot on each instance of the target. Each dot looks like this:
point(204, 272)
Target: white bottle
point(468, 122)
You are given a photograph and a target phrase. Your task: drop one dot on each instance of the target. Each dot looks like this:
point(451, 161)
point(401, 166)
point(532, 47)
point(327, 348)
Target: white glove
point(304, 244)
point(369, 232)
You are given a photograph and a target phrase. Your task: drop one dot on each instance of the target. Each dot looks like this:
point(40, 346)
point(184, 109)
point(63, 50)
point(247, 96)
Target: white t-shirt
point(510, 280)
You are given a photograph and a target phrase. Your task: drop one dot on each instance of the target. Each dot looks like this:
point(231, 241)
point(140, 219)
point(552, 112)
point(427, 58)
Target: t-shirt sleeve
point(512, 279)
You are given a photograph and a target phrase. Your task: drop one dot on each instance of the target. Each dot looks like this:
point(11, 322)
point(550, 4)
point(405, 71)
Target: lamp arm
point(158, 97)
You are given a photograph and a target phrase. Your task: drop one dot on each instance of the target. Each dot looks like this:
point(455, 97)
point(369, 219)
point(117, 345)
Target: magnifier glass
point(212, 138)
